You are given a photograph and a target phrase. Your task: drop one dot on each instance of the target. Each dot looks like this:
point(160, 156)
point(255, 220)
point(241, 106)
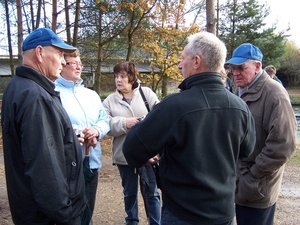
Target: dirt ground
point(109, 209)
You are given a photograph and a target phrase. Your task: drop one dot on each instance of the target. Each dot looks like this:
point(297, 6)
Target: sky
point(287, 13)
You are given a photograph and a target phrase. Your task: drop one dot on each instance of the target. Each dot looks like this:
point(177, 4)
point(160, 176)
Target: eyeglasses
point(75, 64)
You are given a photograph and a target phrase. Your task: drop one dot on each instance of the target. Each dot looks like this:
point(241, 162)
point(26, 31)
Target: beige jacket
point(260, 174)
point(118, 110)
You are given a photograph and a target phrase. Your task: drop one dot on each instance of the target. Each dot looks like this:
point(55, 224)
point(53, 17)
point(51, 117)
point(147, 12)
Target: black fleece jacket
point(202, 131)
point(43, 159)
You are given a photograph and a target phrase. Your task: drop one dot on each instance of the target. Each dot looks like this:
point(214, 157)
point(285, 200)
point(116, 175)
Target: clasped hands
point(89, 136)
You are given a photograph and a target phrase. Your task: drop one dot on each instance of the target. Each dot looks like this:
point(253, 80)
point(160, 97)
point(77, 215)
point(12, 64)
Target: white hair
point(210, 48)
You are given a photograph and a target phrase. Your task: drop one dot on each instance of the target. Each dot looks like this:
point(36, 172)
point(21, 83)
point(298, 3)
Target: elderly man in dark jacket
point(43, 159)
point(202, 130)
point(260, 174)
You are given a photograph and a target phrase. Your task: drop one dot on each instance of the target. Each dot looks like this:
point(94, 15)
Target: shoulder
point(112, 97)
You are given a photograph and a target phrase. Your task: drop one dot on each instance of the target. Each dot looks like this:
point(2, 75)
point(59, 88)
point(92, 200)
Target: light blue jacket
point(85, 109)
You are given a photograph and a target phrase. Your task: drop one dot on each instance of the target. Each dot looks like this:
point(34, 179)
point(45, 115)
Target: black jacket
point(203, 131)
point(43, 159)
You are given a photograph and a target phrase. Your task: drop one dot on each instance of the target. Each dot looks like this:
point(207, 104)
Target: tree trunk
point(20, 31)
point(99, 55)
point(68, 26)
point(54, 15)
point(38, 15)
point(210, 16)
point(76, 25)
point(11, 57)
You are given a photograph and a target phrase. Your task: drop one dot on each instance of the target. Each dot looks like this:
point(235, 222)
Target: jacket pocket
point(73, 181)
point(249, 188)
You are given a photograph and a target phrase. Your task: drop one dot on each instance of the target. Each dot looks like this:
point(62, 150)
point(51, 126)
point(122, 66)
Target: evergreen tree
point(243, 21)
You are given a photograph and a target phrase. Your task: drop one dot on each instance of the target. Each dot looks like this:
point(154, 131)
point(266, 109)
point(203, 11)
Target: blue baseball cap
point(244, 52)
point(45, 37)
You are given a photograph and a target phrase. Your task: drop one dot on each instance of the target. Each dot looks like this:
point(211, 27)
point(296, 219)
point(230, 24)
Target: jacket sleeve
point(141, 141)
point(280, 143)
point(102, 124)
point(248, 144)
point(117, 123)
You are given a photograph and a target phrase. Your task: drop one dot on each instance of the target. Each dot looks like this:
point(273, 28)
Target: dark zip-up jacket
point(203, 130)
point(43, 161)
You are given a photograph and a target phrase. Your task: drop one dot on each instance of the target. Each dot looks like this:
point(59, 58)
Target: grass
point(295, 160)
point(295, 99)
point(294, 93)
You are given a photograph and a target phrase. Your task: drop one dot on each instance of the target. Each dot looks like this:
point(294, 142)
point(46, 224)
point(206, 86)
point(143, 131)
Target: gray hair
point(210, 48)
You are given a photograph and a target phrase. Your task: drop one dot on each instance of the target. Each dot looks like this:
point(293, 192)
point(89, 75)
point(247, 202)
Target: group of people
point(221, 154)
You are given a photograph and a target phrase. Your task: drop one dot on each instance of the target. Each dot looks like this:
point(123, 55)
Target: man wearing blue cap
point(260, 174)
point(42, 156)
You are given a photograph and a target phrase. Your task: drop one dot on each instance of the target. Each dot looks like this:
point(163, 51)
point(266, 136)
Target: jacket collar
point(67, 83)
point(255, 91)
point(37, 77)
point(202, 79)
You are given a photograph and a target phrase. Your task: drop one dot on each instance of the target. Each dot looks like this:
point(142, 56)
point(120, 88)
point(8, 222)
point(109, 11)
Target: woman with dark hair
point(125, 108)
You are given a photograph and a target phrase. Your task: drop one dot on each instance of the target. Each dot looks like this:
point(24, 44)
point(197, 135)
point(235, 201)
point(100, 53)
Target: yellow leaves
point(131, 6)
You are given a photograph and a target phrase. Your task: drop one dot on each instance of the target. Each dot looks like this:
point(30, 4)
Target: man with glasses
point(42, 155)
point(260, 174)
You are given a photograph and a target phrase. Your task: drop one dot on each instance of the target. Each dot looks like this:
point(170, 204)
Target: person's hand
point(153, 160)
point(131, 122)
point(81, 138)
point(90, 133)
point(91, 142)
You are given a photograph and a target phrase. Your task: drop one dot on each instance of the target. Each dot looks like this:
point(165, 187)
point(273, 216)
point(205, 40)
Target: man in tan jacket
point(260, 174)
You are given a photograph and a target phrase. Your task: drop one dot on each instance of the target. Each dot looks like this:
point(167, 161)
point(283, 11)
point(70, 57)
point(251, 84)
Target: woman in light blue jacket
point(86, 112)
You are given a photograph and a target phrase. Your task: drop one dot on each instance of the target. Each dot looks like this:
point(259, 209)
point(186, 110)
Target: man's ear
point(39, 52)
point(197, 62)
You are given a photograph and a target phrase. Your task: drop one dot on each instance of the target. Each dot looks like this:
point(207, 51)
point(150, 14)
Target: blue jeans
point(130, 180)
point(248, 216)
point(168, 218)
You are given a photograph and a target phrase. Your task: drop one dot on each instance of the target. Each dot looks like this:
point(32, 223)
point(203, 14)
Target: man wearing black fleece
point(202, 130)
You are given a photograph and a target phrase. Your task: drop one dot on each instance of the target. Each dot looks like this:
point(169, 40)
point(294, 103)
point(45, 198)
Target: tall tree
point(20, 31)
point(54, 15)
point(11, 57)
point(289, 66)
point(164, 41)
point(210, 16)
point(76, 23)
point(137, 12)
point(243, 21)
point(68, 25)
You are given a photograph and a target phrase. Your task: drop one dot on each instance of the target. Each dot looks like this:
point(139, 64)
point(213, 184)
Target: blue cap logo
point(244, 52)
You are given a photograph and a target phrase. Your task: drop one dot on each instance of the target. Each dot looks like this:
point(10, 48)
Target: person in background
point(228, 83)
point(260, 174)
point(126, 108)
point(42, 155)
point(202, 131)
point(87, 115)
point(271, 70)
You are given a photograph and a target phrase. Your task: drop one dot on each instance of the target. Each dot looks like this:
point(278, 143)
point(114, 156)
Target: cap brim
point(65, 47)
point(237, 61)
